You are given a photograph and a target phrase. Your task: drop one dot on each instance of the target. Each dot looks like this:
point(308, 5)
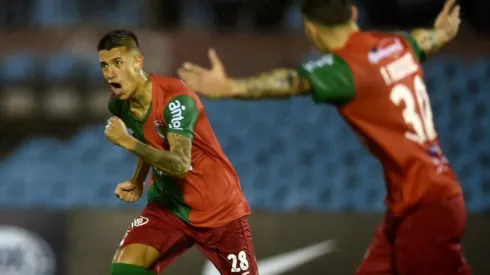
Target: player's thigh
point(378, 259)
point(229, 248)
point(428, 241)
point(153, 240)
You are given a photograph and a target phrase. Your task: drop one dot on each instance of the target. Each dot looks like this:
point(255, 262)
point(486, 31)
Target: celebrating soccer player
point(376, 82)
point(194, 196)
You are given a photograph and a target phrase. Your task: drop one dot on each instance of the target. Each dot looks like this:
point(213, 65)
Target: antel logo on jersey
point(324, 60)
point(24, 253)
point(176, 111)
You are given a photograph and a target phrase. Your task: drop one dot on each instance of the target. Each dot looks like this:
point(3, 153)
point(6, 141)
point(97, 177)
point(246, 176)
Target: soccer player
point(194, 196)
point(376, 82)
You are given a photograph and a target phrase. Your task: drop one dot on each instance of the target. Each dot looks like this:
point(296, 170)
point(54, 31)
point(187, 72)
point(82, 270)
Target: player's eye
point(118, 62)
point(104, 66)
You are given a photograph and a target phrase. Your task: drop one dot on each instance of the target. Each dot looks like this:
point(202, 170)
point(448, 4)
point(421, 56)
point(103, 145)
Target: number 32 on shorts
point(421, 119)
point(239, 262)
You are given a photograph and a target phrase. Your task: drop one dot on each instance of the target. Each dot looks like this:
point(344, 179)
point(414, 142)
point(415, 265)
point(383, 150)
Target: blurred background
point(311, 184)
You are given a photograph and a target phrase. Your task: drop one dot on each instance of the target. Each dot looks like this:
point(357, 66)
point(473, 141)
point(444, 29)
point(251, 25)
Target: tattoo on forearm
point(429, 40)
point(175, 162)
point(277, 83)
point(141, 171)
point(432, 41)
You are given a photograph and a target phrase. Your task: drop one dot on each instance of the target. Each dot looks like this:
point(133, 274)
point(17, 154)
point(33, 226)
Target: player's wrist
point(129, 143)
point(236, 87)
point(137, 182)
point(442, 35)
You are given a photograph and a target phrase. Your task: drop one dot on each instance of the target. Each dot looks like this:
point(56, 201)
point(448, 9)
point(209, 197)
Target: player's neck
point(141, 98)
point(337, 37)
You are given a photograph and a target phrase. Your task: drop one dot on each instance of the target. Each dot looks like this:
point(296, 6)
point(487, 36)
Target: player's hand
point(213, 83)
point(129, 191)
point(449, 19)
point(116, 131)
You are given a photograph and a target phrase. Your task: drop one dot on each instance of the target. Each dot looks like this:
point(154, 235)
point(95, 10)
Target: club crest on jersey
point(160, 127)
point(176, 114)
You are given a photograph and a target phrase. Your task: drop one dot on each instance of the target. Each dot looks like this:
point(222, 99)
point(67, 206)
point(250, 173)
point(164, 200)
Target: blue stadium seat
point(290, 154)
point(52, 13)
point(62, 66)
point(93, 72)
point(18, 67)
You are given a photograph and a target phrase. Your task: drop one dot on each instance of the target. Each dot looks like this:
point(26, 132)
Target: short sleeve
point(331, 79)
point(181, 115)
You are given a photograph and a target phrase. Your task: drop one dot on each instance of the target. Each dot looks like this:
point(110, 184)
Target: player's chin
point(123, 96)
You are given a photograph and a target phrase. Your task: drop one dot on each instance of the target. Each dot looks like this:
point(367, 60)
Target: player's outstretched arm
point(445, 29)
point(215, 83)
point(276, 83)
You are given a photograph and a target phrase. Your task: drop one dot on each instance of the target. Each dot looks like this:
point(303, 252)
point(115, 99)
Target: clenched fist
point(129, 191)
point(116, 131)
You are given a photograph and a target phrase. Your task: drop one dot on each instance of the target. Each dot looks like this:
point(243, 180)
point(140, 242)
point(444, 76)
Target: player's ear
point(310, 27)
point(138, 64)
point(354, 13)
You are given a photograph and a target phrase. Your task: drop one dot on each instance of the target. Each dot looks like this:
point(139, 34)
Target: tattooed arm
point(176, 162)
point(445, 29)
point(276, 83)
point(215, 83)
point(429, 40)
point(140, 172)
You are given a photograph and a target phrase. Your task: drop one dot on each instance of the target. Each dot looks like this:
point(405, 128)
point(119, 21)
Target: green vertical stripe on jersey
point(419, 53)
point(122, 109)
point(165, 190)
point(115, 106)
point(331, 79)
point(180, 114)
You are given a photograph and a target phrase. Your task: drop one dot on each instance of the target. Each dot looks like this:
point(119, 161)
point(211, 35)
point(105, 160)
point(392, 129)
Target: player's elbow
point(182, 168)
point(182, 174)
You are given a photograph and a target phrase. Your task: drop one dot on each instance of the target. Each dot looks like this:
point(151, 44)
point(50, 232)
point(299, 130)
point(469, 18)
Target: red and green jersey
point(210, 195)
point(376, 80)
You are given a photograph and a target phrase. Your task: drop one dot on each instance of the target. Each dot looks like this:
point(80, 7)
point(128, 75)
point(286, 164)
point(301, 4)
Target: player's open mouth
point(116, 88)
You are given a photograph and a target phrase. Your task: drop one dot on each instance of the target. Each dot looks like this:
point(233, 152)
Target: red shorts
point(228, 247)
point(426, 241)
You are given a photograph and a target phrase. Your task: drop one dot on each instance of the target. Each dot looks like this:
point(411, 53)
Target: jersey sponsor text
point(177, 114)
point(399, 69)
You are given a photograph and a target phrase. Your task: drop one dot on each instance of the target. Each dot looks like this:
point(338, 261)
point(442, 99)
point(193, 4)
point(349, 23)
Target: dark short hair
point(118, 38)
point(327, 12)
